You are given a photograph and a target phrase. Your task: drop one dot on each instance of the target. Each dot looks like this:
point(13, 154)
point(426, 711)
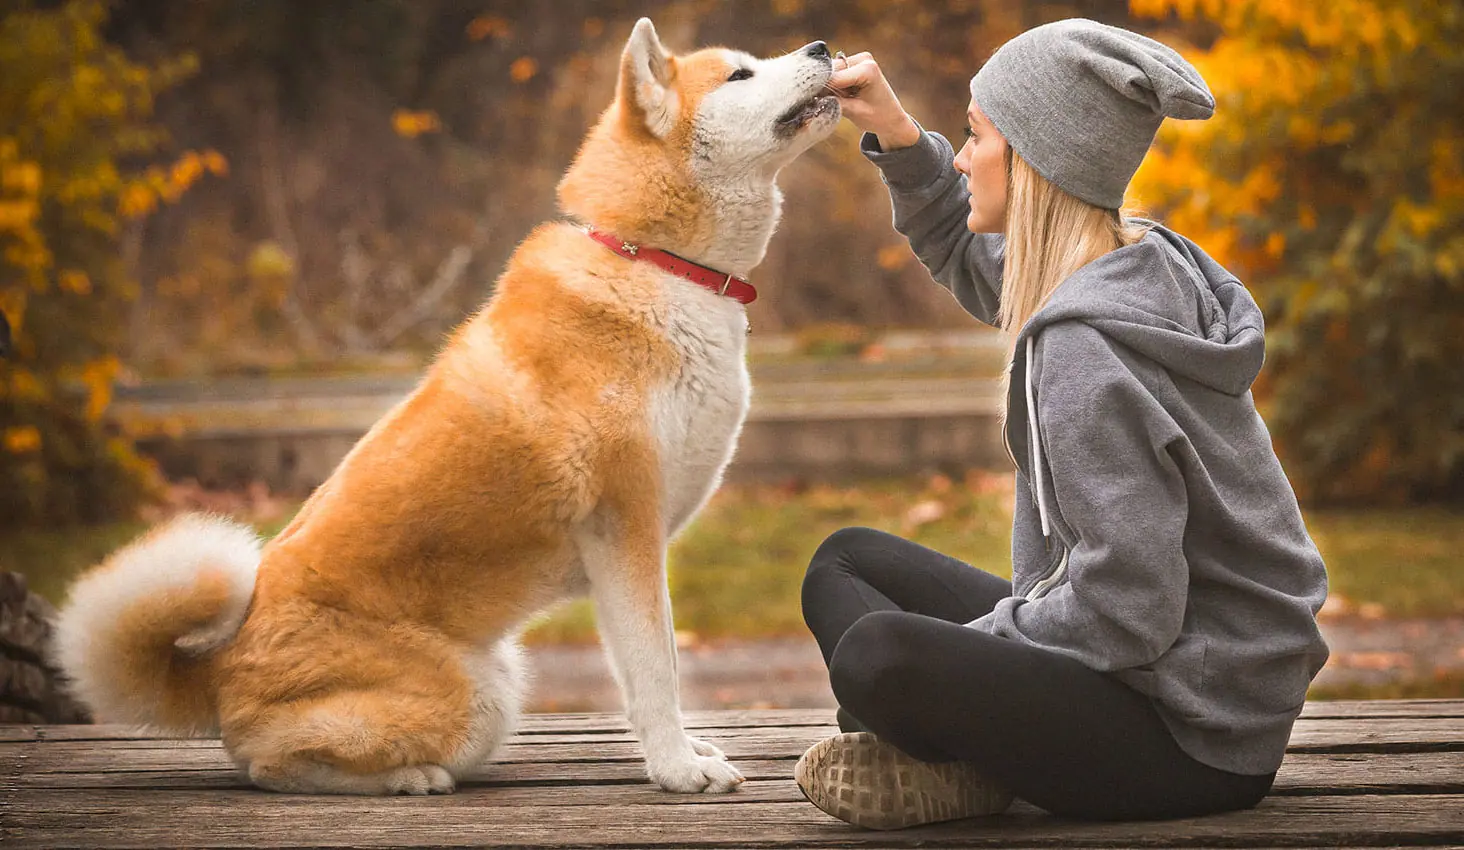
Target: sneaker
point(862, 780)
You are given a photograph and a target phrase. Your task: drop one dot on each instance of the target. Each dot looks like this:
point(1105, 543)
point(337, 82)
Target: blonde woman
point(1158, 637)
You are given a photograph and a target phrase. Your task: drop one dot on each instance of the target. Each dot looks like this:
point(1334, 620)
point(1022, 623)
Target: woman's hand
point(867, 100)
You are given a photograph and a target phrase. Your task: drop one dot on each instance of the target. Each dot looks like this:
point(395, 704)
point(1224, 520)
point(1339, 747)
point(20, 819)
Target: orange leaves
point(523, 69)
point(22, 439)
point(74, 281)
point(894, 257)
point(97, 377)
point(411, 124)
point(142, 194)
point(488, 26)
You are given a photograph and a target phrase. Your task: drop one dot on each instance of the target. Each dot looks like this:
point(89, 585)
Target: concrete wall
point(772, 449)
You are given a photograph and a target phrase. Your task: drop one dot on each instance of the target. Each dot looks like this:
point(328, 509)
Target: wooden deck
point(1359, 774)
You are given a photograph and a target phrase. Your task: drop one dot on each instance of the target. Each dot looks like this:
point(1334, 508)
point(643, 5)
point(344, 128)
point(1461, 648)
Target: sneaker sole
point(859, 779)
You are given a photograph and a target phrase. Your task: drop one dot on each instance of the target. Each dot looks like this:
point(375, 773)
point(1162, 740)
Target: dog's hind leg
point(501, 687)
point(396, 739)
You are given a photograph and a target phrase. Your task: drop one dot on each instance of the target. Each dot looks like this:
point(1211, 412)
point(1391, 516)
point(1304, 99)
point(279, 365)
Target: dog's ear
point(646, 72)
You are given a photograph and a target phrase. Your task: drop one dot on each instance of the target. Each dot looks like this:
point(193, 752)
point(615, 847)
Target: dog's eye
point(740, 74)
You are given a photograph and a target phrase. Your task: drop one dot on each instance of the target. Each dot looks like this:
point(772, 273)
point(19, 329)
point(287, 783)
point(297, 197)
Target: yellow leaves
point(20, 189)
point(136, 200)
point(22, 439)
point(523, 69)
point(22, 177)
point(139, 196)
point(18, 215)
point(1418, 220)
point(269, 261)
point(411, 124)
point(97, 376)
point(75, 282)
point(1150, 8)
point(26, 386)
point(1446, 169)
point(593, 27)
point(787, 8)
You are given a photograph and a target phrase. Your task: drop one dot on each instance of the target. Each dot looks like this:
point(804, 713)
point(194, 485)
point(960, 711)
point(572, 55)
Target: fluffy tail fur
point(139, 633)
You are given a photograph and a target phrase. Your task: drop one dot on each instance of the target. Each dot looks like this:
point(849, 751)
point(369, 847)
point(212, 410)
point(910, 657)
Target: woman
point(1156, 642)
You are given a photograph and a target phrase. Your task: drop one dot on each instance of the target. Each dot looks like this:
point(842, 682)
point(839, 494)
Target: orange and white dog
point(564, 435)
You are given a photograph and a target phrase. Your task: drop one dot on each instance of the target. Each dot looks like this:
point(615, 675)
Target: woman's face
point(983, 162)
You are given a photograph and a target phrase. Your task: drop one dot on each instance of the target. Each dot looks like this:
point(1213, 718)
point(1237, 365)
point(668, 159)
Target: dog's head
point(684, 127)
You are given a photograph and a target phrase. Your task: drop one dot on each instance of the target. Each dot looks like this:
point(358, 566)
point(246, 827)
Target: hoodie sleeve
point(930, 203)
point(1121, 495)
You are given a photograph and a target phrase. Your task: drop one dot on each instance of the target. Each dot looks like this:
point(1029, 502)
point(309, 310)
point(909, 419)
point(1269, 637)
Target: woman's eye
point(740, 74)
point(970, 134)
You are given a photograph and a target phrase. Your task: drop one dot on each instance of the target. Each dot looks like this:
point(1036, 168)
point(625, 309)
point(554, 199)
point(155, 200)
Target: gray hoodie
point(1156, 537)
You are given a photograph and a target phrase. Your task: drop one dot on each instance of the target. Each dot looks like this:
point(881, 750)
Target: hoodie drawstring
point(1036, 444)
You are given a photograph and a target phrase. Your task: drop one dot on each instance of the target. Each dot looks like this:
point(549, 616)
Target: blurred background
point(233, 232)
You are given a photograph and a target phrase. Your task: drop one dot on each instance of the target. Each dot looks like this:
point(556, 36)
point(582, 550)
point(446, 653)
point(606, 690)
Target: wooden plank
point(141, 819)
point(1384, 708)
point(10, 732)
point(1301, 774)
point(610, 722)
point(1378, 734)
point(531, 724)
point(1363, 735)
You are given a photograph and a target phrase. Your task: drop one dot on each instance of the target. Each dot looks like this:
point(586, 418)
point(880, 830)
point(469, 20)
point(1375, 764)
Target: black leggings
point(888, 615)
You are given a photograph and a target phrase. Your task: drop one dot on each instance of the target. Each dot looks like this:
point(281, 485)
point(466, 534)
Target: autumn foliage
point(1332, 179)
point(360, 172)
point(75, 146)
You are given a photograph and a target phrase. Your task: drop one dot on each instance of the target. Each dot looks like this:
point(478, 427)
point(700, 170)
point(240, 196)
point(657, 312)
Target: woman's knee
point(834, 558)
point(872, 663)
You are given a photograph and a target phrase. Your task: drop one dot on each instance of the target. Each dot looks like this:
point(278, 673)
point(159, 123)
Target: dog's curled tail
point(139, 634)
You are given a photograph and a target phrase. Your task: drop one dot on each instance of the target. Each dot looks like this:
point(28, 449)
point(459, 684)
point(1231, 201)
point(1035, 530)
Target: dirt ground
point(788, 673)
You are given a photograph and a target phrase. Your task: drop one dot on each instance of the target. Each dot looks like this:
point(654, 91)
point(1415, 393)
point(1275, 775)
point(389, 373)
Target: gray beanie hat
point(1081, 101)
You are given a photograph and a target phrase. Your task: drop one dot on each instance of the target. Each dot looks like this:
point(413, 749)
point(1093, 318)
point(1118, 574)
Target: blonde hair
point(1049, 235)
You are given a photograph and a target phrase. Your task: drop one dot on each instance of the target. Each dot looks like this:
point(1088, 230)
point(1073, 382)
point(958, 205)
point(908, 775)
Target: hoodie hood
point(1162, 297)
point(1168, 300)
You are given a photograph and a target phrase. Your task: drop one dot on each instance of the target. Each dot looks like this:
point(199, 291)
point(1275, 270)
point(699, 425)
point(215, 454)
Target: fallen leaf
point(923, 513)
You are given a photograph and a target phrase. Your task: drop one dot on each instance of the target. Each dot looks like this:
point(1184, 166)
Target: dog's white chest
point(697, 415)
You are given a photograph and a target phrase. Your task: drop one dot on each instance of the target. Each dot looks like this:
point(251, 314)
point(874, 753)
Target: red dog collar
point(723, 284)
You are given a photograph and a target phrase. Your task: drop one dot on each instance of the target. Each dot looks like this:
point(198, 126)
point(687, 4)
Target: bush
point(75, 135)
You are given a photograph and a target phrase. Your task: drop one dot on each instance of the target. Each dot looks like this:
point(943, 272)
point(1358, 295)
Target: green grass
point(1408, 561)
point(737, 570)
point(1446, 686)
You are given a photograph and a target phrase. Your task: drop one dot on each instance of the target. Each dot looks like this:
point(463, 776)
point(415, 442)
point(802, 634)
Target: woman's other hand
point(867, 100)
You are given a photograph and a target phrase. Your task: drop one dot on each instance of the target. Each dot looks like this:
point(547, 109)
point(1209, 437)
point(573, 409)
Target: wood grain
point(1358, 774)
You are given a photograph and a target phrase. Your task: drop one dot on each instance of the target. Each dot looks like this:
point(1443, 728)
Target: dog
point(563, 436)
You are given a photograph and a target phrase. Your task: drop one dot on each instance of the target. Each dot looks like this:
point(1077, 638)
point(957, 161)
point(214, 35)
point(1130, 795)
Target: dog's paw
point(697, 774)
point(704, 748)
point(420, 780)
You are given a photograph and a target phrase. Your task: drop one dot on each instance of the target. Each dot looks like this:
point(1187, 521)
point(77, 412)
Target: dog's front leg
point(625, 561)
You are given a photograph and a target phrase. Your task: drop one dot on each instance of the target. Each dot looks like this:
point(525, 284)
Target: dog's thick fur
point(567, 431)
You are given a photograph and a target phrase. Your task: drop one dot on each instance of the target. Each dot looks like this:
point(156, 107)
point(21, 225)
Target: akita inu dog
point(566, 432)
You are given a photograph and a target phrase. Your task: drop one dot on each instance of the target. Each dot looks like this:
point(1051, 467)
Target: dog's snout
point(817, 50)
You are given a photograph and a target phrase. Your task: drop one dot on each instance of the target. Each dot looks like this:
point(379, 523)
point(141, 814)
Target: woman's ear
point(646, 71)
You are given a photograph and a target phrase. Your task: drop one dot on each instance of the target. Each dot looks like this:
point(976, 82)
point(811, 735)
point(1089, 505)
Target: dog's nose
point(817, 50)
